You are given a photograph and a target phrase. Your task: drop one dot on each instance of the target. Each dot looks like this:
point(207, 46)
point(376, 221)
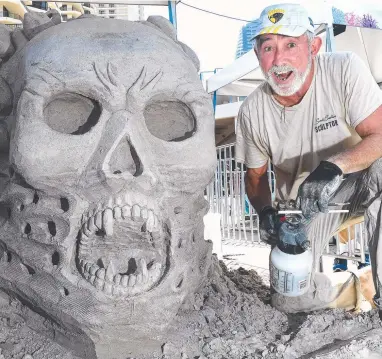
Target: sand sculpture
point(107, 144)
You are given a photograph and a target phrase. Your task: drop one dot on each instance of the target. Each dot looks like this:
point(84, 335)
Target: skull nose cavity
point(125, 159)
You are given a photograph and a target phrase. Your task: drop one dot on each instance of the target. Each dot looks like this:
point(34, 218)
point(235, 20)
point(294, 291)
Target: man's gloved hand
point(316, 191)
point(268, 224)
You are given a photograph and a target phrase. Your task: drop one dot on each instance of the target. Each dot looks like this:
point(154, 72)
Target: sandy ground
point(229, 318)
point(248, 255)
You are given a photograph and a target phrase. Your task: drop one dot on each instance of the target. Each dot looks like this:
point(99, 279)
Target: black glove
point(316, 191)
point(268, 224)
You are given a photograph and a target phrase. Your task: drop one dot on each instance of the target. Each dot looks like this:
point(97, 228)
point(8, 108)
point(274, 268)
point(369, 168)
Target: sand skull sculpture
point(106, 148)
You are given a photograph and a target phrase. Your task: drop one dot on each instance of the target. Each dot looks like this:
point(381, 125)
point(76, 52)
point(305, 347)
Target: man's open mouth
point(283, 76)
point(122, 250)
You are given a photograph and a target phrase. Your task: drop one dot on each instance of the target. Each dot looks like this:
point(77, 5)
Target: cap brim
point(294, 31)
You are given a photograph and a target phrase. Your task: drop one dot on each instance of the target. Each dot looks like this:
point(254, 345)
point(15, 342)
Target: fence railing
point(14, 26)
point(350, 244)
point(226, 195)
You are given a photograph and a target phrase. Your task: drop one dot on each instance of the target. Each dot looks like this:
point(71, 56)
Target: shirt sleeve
point(362, 93)
point(248, 149)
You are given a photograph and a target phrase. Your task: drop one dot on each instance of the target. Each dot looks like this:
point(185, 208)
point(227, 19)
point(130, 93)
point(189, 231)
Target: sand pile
point(229, 318)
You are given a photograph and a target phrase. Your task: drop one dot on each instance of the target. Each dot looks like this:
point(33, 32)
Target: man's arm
point(365, 152)
point(257, 187)
point(315, 192)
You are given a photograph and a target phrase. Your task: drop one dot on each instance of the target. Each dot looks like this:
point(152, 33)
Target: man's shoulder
point(334, 59)
point(256, 97)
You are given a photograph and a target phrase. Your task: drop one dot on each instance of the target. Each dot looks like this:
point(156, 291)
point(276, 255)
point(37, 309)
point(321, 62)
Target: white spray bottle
point(291, 259)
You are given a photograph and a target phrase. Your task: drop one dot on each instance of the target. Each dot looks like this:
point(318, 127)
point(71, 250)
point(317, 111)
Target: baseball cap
point(283, 19)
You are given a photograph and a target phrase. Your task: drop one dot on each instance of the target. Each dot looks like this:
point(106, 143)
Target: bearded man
point(318, 119)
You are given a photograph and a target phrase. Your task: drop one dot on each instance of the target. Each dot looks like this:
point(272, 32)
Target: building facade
point(116, 11)
point(244, 43)
point(12, 11)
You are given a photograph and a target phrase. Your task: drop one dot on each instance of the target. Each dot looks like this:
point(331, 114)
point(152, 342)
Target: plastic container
point(291, 260)
point(290, 273)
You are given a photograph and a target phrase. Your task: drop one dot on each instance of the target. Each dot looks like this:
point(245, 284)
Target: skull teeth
point(116, 284)
point(104, 220)
point(108, 221)
point(118, 275)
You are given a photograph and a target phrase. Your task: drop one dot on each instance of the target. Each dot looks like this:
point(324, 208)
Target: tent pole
point(215, 95)
point(330, 46)
point(172, 13)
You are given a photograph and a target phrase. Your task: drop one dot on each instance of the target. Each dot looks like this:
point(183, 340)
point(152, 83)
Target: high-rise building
point(119, 11)
point(12, 11)
point(244, 43)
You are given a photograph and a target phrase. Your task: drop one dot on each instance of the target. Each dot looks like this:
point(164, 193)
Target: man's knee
point(337, 290)
point(374, 174)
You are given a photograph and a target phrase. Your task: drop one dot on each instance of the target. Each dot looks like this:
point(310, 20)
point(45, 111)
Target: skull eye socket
point(170, 120)
point(72, 113)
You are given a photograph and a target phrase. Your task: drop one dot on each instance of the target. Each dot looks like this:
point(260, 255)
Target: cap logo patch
point(276, 15)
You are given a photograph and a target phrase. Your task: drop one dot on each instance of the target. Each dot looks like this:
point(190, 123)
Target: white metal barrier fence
point(239, 221)
point(226, 195)
point(354, 247)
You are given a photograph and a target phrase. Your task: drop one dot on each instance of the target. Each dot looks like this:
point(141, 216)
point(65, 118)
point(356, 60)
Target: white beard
point(299, 78)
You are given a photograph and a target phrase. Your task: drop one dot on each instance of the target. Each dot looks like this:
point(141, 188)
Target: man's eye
point(267, 48)
point(291, 44)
